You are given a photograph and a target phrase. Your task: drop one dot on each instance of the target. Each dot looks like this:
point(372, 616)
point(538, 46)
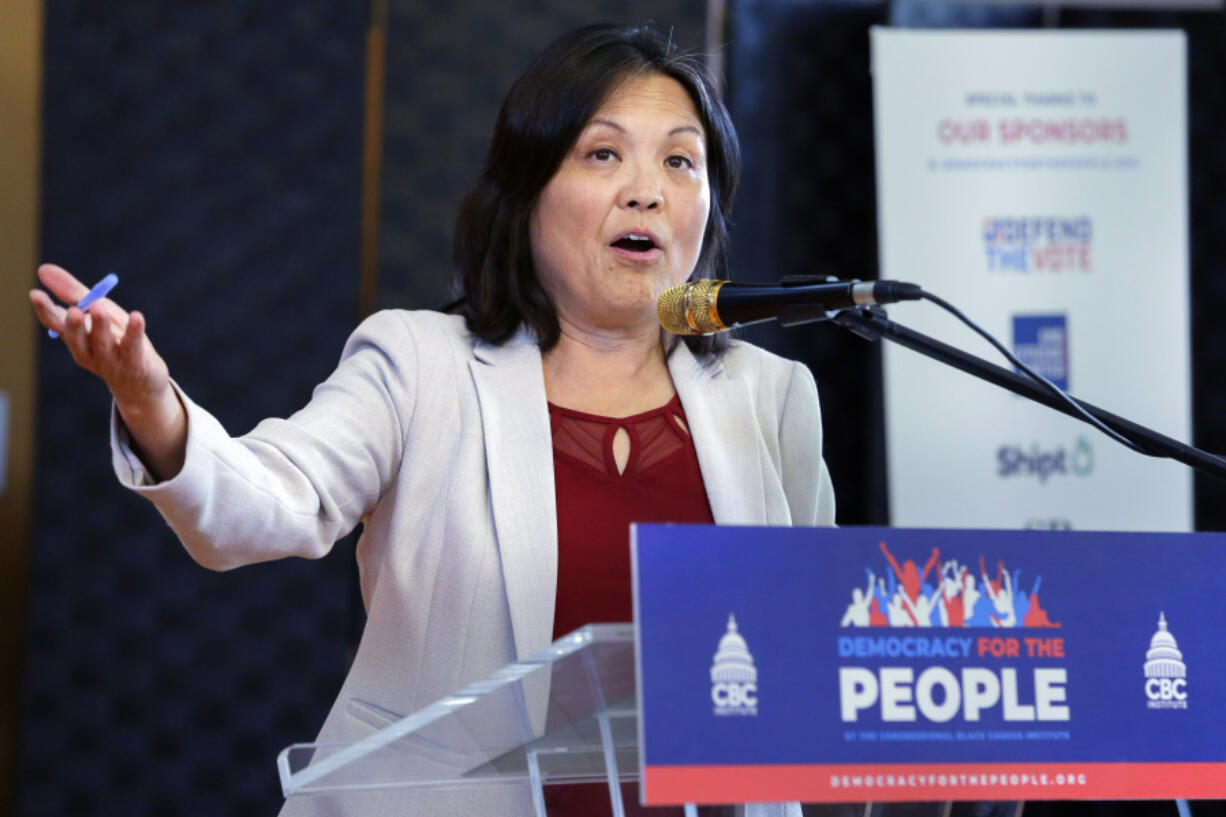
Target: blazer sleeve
point(290, 487)
point(806, 480)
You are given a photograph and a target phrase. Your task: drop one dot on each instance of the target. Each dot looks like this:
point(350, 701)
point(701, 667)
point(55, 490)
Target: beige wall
point(21, 71)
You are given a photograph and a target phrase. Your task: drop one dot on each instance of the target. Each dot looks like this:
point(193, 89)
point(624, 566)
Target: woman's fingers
point(76, 337)
point(104, 339)
point(102, 335)
point(61, 283)
point(132, 343)
point(134, 332)
point(67, 289)
point(50, 314)
point(92, 339)
point(117, 314)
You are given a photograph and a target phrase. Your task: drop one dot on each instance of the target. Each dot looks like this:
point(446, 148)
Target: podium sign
point(854, 664)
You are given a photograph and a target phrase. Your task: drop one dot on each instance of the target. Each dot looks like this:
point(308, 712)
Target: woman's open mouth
point(636, 246)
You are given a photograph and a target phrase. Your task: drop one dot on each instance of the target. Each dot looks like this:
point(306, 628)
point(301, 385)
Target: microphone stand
point(872, 323)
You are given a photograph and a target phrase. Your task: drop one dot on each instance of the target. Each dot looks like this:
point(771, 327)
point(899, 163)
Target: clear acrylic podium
point(565, 715)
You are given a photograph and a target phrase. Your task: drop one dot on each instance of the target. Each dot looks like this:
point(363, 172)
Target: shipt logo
point(1044, 463)
point(1037, 244)
point(734, 678)
point(1041, 342)
point(1166, 676)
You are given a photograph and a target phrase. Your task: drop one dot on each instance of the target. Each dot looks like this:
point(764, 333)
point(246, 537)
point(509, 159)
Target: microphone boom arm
point(872, 323)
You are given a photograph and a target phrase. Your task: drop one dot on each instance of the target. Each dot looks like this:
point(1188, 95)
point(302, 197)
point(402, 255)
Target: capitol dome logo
point(734, 678)
point(1166, 683)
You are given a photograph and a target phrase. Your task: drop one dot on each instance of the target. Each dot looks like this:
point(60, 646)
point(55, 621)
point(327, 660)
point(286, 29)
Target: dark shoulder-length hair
point(541, 118)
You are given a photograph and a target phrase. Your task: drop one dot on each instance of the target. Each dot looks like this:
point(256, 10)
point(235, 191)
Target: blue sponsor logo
point(1041, 342)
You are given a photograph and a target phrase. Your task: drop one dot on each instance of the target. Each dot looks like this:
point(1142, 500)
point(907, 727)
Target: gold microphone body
point(690, 309)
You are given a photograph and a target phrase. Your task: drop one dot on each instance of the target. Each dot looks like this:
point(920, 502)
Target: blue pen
point(99, 291)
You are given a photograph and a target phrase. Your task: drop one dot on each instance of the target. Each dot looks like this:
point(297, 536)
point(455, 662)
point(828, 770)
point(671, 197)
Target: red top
point(596, 504)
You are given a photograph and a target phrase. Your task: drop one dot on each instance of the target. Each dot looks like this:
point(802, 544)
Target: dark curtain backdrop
point(210, 155)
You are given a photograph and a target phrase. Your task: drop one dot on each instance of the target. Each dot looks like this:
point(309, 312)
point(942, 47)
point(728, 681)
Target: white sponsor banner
point(1038, 181)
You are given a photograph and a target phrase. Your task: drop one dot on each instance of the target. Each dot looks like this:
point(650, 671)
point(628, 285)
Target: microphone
point(707, 306)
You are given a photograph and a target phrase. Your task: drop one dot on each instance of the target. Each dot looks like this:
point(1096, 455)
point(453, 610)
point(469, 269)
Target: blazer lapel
point(721, 419)
point(519, 454)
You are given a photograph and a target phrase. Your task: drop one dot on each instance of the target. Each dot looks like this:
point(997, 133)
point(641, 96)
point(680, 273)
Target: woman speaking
point(497, 453)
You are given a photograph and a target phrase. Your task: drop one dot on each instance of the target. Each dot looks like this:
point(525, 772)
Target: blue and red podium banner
point(884, 664)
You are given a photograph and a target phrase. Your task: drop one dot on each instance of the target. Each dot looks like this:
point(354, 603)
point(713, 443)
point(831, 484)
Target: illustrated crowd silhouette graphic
point(944, 594)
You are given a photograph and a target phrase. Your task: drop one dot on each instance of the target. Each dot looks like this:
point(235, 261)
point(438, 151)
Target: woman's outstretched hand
point(111, 343)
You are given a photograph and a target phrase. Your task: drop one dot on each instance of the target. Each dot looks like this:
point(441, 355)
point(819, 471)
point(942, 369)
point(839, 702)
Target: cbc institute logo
point(1166, 684)
point(734, 678)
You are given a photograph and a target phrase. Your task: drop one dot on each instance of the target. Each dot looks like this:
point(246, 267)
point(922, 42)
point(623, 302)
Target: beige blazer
point(440, 444)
